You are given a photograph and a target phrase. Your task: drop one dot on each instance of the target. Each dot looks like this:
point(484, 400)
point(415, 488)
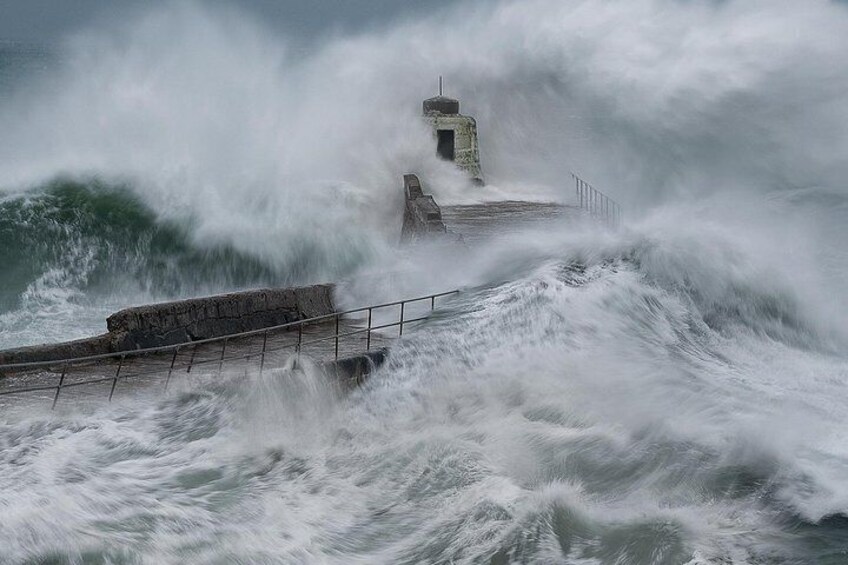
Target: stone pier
point(185, 321)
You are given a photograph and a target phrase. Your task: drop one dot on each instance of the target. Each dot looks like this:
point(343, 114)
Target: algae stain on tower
point(456, 135)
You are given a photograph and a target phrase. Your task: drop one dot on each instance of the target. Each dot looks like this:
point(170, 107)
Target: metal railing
point(596, 203)
point(256, 345)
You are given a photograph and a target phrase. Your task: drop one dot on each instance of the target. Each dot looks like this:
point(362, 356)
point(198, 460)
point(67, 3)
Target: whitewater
point(670, 392)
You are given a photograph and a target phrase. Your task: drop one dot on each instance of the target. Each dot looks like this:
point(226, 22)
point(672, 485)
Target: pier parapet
point(186, 321)
point(195, 319)
point(422, 217)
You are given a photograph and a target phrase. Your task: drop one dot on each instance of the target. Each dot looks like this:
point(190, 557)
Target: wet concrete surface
point(117, 377)
point(478, 222)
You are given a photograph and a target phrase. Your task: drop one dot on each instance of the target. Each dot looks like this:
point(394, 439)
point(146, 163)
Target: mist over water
point(215, 122)
point(673, 392)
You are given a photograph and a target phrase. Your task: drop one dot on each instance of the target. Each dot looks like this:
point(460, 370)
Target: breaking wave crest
point(90, 230)
point(670, 393)
point(580, 412)
point(74, 249)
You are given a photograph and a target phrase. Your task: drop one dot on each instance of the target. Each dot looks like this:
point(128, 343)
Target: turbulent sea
point(673, 392)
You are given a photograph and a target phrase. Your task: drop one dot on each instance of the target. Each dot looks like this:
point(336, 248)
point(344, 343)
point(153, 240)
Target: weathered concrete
point(185, 321)
point(199, 364)
point(442, 105)
point(87, 347)
point(353, 371)
point(456, 134)
point(482, 222)
point(213, 316)
point(422, 217)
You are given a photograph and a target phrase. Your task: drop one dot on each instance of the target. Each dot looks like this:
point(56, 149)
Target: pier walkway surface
point(341, 342)
point(478, 222)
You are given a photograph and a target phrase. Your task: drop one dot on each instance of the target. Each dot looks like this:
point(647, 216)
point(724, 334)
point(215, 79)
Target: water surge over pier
point(670, 392)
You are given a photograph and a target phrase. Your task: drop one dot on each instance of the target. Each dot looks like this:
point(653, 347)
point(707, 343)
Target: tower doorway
point(446, 145)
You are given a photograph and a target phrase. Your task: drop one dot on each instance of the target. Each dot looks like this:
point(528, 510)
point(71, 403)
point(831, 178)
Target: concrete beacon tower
point(456, 135)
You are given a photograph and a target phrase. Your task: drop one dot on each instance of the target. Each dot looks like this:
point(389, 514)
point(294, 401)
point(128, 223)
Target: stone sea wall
point(86, 347)
point(185, 321)
point(422, 217)
point(202, 318)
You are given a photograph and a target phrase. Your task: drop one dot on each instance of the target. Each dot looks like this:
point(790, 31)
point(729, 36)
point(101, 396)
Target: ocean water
point(671, 392)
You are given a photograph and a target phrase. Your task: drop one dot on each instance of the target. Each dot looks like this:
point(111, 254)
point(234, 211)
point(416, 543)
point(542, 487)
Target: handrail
point(163, 348)
point(125, 372)
point(596, 202)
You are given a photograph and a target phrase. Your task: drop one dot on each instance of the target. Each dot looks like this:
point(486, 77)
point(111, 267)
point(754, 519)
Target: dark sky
point(48, 20)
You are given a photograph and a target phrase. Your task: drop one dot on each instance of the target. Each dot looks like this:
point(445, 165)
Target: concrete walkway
point(240, 355)
point(478, 222)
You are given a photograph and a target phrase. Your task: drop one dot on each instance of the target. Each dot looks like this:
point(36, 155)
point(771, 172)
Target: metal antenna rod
point(440, 85)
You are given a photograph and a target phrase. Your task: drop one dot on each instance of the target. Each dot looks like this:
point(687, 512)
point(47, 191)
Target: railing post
point(432, 303)
point(221, 362)
point(596, 203)
point(368, 331)
point(115, 380)
point(577, 189)
point(400, 328)
point(299, 340)
point(337, 337)
point(297, 346)
point(171, 368)
point(262, 355)
point(191, 360)
point(59, 388)
point(582, 194)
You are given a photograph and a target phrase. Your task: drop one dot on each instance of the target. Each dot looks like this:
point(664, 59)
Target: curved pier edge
point(185, 321)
